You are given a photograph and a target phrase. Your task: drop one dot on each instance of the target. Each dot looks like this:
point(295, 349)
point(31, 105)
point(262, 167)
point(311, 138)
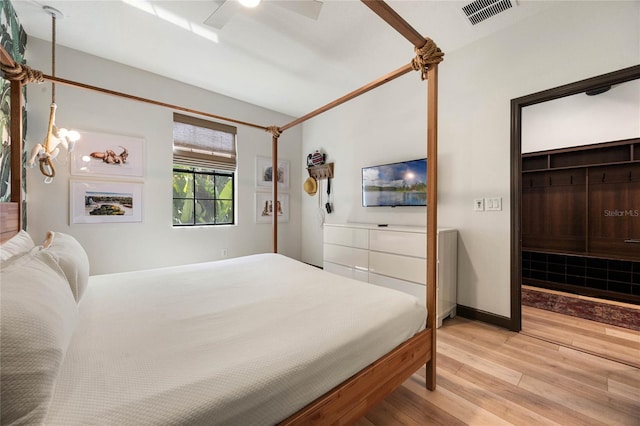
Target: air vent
point(480, 10)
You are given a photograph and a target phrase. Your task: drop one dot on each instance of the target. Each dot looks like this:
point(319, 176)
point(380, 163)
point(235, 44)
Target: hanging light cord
point(53, 57)
point(46, 165)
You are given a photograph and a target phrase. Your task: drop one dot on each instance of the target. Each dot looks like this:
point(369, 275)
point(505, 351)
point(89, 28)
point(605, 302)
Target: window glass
point(202, 197)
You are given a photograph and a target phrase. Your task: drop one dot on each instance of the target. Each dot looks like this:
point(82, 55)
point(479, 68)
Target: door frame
point(609, 79)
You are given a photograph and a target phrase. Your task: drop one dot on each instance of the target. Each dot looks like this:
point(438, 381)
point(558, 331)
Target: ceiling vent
point(480, 10)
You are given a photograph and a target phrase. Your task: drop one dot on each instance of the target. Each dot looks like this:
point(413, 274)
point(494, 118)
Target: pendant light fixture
point(50, 148)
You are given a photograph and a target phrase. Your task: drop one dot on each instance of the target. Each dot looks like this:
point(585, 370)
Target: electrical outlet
point(224, 252)
point(478, 204)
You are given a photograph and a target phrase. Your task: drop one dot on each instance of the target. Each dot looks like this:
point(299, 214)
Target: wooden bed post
point(16, 146)
point(432, 215)
point(18, 75)
point(427, 59)
point(274, 181)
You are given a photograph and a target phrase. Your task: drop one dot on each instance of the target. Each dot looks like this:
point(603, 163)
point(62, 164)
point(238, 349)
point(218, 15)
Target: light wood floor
point(490, 376)
point(614, 343)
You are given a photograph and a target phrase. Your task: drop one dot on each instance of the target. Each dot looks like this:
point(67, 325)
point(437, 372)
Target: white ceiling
point(267, 56)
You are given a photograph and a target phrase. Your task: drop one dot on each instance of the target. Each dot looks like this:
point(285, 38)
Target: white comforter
point(237, 342)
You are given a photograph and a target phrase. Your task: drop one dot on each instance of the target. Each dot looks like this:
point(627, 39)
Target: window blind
point(202, 143)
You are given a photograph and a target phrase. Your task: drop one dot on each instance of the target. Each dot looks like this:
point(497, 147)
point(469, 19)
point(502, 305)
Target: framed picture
point(265, 209)
point(105, 202)
point(264, 172)
point(102, 154)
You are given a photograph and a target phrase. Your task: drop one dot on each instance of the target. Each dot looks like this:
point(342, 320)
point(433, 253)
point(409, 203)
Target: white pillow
point(72, 258)
point(37, 315)
point(18, 244)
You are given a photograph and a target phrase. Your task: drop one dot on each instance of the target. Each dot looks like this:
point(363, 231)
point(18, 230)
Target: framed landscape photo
point(105, 202)
point(265, 208)
point(102, 154)
point(264, 173)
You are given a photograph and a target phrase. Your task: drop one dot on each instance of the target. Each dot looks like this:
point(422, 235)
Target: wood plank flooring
point(490, 376)
point(614, 343)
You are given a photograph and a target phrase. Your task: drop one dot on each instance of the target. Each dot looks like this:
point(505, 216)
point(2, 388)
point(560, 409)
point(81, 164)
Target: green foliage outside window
point(202, 197)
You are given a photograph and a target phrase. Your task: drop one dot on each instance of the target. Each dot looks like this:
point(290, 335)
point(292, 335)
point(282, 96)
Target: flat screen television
point(395, 184)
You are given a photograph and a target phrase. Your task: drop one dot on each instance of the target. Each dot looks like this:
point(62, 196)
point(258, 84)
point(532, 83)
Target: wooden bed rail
point(79, 85)
point(397, 22)
point(343, 404)
point(364, 89)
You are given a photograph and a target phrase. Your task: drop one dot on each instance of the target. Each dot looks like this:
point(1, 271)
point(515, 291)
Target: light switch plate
point(493, 204)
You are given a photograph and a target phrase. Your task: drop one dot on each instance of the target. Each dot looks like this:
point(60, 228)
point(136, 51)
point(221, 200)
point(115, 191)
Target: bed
point(170, 380)
point(248, 341)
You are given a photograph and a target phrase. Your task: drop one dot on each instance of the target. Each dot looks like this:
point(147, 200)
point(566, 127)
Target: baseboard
point(483, 316)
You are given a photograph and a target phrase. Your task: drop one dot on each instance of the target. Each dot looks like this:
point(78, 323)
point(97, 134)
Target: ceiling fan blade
point(222, 14)
point(309, 8)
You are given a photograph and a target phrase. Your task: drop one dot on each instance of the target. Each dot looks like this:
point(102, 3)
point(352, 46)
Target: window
point(202, 197)
point(204, 164)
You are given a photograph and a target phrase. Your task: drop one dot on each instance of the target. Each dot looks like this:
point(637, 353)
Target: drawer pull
point(632, 240)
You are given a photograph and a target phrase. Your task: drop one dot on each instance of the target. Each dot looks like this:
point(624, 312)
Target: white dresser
point(394, 257)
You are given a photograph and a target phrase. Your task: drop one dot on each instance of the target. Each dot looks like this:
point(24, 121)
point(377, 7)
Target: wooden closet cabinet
point(583, 200)
point(554, 214)
point(614, 210)
point(581, 220)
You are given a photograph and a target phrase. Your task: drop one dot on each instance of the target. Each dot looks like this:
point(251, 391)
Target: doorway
point(517, 105)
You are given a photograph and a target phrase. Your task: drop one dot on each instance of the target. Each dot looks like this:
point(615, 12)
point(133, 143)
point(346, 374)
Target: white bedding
point(237, 342)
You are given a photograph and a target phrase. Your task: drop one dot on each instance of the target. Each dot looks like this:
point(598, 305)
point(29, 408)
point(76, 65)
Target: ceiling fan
point(227, 8)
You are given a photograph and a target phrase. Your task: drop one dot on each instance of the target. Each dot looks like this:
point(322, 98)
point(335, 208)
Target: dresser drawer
point(351, 237)
point(405, 243)
point(347, 256)
point(345, 271)
point(417, 290)
point(401, 267)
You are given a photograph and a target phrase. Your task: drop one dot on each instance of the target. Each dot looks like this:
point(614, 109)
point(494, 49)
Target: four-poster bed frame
point(354, 397)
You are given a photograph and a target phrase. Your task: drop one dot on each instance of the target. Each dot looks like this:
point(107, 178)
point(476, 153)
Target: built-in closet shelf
point(581, 219)
point(591, 210)
point(323, 171)
point(609, 153)
point(613, 279)
point(584, 254)
point(394, 256)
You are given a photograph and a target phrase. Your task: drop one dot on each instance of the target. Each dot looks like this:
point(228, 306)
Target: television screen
point(396, 184)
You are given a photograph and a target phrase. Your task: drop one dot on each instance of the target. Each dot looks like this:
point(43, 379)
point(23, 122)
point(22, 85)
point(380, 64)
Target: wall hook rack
point(323, 171)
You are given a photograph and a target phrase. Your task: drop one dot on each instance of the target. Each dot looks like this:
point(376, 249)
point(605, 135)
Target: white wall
point(153, 242)
point(583, 120)
point(360, 133)
point(574, 41)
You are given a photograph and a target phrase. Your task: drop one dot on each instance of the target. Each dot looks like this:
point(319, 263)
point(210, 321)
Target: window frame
point(194, 171)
